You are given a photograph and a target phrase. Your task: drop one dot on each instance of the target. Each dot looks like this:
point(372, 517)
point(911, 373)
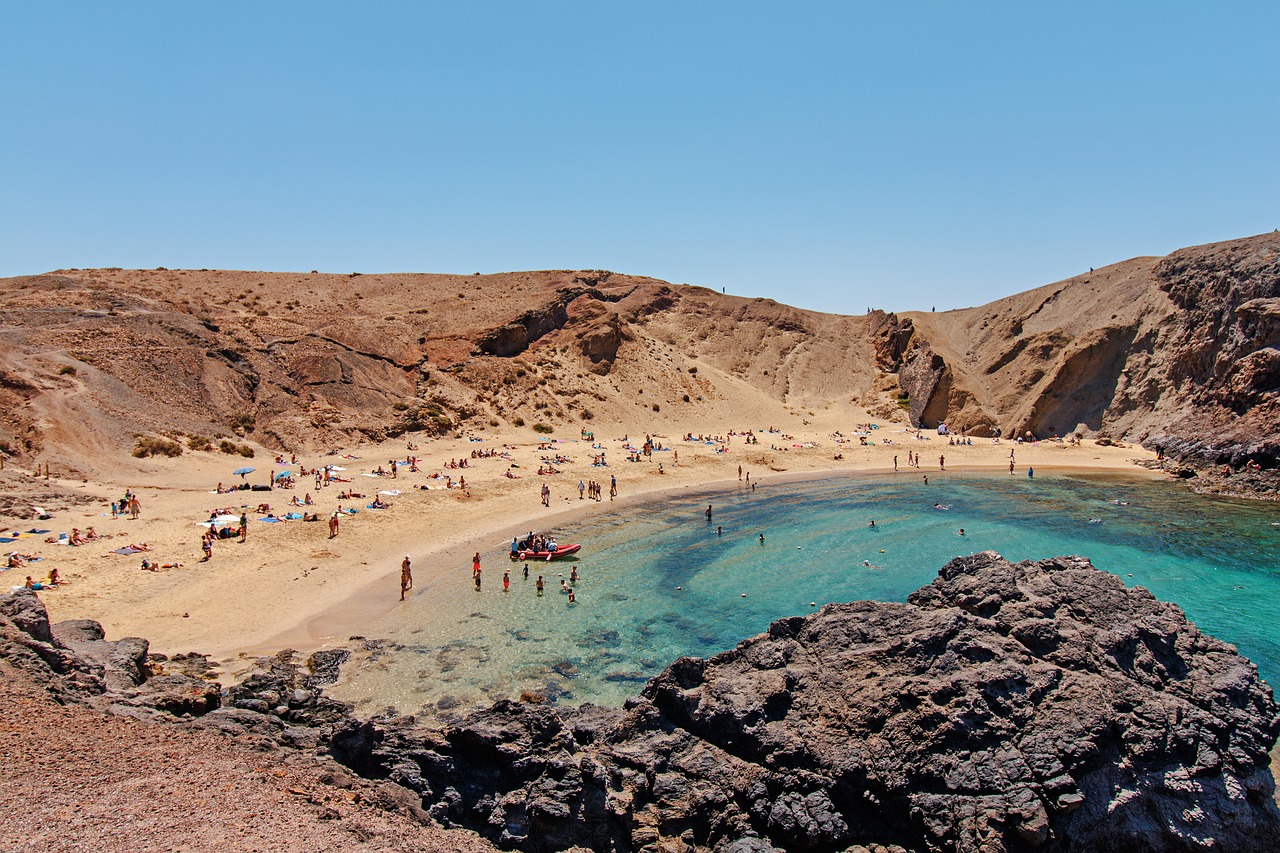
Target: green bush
point(543, 428)
point(148, 445)
point(243, 422)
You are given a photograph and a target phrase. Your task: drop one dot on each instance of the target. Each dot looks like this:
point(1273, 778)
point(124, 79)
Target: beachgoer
point(871, 523)
point(572, 597)
point(961, 531)
point(1031, 472)
point(526, 571)
point(739, 473)
point(333, 525)
point(539, 584)
point(708, 513)
point(1011, 466)
point(506, 580)
point(719, 531)
point(761, 538)
point(573, 575)
point(476, 575)
point(406, 576)
point(895, 463)
point(926, 479)
point(942, 463)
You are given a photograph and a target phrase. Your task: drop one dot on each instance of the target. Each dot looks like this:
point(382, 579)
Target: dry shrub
point(149, 445)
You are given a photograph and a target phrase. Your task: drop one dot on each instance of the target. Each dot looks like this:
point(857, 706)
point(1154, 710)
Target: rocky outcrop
point(1033, 706)
point(73, 660)
point(1016, 707)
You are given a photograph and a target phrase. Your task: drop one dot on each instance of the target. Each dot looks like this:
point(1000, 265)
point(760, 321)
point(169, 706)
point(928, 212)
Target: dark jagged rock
point(75, 662)
point(1035, 706)
point(1016, 707)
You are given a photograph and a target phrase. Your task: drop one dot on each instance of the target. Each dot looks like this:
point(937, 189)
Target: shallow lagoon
point(658, 582)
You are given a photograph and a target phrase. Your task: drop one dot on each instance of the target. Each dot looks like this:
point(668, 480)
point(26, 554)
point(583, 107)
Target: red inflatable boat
point(562, 551)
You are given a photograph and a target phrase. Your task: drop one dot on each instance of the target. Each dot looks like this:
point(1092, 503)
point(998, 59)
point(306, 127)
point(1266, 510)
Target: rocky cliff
point(1180, 353)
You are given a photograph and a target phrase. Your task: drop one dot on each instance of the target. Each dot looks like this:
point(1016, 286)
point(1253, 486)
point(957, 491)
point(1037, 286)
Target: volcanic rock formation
point(1032, 706)
point(1005, 707)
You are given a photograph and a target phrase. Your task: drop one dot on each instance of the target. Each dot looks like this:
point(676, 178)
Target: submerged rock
point(1005, 707)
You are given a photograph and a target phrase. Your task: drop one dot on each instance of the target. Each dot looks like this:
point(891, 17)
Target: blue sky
point(833, 156)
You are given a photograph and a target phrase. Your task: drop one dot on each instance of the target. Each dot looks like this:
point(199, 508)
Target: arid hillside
point(1181, 353)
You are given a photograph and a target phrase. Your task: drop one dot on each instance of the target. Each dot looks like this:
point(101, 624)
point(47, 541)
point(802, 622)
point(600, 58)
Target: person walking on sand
point(135, 508)
point(895, 463)
point(739, 473)
point(406, 576)
point(475, 564)
point(942, 463)
point(206, 545)
point(582, 489)
point(333, 525)
point(613, 486)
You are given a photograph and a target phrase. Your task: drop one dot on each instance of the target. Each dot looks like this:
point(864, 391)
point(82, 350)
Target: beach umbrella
point(280, 475)
point(242, 471)
point(335, 468)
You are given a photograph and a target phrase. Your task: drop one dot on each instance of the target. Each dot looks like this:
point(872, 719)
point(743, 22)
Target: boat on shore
point(560, 551)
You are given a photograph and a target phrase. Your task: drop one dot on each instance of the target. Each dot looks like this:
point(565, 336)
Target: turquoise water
point(658, 582)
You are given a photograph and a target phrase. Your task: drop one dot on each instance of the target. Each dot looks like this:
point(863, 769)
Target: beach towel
point(271, 520)
point(392, 492)
point(35, 532)
point(7, 539)
point(371, 506)
point(127, 550)
point(292, 516)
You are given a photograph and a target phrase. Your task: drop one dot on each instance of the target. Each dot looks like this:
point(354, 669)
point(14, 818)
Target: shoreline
point(327, 628)
point(289, 586)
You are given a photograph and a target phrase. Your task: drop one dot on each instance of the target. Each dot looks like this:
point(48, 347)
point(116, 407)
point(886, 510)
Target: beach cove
point(266, 593)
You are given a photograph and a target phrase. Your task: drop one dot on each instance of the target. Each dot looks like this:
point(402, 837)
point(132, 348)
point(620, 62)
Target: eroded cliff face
point(1180, 353)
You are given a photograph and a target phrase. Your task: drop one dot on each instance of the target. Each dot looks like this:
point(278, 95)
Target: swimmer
point(871, 523)
point(1095, 521)
point(867, 564)
point(539, 585)
point(572, 598)
point(761, 538)
point(961, 531)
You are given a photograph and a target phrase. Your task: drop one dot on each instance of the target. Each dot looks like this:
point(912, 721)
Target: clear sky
point(833, 156)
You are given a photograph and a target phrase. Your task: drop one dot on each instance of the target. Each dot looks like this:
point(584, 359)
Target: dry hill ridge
point(1180, 353)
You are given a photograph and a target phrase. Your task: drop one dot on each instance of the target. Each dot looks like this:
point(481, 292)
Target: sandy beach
point(290, 585)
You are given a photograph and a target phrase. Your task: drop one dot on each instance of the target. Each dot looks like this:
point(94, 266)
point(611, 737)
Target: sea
point(659, 581)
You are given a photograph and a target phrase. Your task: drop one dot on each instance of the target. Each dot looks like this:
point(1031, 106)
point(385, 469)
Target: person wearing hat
point(406, 577)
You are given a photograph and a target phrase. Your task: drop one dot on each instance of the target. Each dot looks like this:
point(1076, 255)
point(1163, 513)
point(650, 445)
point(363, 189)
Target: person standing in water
point(539, 585)
point(526, 571)
point(506, 580)
point(406, 576)
point(708, 513)
point(761, 538)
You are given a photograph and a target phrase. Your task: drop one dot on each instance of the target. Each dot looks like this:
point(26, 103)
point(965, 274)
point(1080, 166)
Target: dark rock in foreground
point(1030, 706)
point(1006, 707)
